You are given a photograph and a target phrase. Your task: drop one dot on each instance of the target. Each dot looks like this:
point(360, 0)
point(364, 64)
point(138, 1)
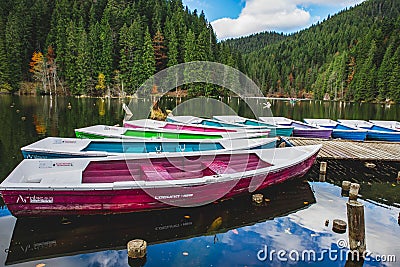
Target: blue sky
point(235, 18)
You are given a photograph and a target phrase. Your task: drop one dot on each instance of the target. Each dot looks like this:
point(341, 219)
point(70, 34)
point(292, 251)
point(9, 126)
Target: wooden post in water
point(353, 193)
point(322, 167)
point(356, 221)
point(345, 188)
point(339, 226)
point(398, 178)
point(257, 199)
point(137, 248)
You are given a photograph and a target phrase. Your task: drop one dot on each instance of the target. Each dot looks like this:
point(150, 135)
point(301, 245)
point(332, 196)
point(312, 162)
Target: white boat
point(55, 147)
point(231, 124)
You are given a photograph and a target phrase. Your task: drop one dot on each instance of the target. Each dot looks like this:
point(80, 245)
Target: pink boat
point(83, 186)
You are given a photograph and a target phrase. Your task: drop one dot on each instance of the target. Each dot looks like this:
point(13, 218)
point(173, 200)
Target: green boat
point(103, 131)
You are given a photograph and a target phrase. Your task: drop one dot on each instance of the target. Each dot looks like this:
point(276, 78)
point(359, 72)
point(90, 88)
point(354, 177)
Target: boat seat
point(219, 167)
point(155, 173)
point(133, 149)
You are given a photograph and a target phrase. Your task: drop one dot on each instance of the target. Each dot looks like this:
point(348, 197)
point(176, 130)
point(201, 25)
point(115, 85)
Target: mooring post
point(257, 199)
point(398, 177)
point(353, 193)
point(356, 221)
point(137, 248)
point(322, 167)
point(345, 188)
point(339, 226)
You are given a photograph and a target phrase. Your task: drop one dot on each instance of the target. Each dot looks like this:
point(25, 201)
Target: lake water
point(229, 233)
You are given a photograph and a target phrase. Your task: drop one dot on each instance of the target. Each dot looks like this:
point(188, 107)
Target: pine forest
point(95, 47)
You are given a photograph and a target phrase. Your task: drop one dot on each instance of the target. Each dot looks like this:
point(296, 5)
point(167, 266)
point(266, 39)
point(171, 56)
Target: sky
point(235, 18)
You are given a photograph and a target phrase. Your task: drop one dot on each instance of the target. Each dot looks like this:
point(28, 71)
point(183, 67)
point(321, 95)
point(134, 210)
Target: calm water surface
point(230, 233)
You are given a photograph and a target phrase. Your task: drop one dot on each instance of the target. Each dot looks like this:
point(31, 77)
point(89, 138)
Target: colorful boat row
point(149, 165)
point(357, 130)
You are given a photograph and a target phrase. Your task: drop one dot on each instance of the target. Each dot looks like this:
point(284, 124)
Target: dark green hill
point(354, 54)
point(254, 42)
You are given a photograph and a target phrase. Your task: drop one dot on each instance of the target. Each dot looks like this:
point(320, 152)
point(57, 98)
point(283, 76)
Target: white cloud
point(272, 15)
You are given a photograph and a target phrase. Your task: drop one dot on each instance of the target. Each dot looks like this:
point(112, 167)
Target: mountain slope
point(352, 55)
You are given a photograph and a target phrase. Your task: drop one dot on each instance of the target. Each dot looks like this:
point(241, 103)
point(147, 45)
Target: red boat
point(145, 182)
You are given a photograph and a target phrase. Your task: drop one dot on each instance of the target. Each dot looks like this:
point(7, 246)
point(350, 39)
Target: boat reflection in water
point(41, 238)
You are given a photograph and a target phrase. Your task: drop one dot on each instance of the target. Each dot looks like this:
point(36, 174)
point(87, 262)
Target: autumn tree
point(38, 69)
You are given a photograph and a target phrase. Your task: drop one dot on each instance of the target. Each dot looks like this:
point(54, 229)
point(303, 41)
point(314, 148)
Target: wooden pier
point(355, 150)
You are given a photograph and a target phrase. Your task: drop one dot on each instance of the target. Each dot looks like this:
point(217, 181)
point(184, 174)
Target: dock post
point(353, 193)
point(398, 177)
point(345, 188)
point(137, 248)
point(322, 167)
point(339, 226)
point(257, 199)
point(356, 221)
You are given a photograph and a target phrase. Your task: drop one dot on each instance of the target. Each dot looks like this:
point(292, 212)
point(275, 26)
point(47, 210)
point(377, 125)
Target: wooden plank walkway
point(345, 149)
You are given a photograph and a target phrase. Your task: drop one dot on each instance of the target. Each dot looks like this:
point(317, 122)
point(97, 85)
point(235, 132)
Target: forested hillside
point(255, 41)
point(352, 55)
point(85, 47)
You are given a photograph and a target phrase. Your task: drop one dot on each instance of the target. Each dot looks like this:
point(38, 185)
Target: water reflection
point(378, 183)
point(32, 239)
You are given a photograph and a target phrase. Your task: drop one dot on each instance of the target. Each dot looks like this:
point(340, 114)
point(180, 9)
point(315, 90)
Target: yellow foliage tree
point(101, 79)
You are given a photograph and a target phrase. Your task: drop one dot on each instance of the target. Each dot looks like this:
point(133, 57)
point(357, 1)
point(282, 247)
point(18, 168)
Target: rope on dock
point(357, 150)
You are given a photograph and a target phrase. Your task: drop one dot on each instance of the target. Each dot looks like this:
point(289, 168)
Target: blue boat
point(339, 130)
point(374, 132)
point(274, 131)
point(388, 124)
point(55, 147)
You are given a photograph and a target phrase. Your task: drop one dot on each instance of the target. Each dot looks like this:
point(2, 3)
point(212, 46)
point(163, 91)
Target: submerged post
point(353, 193)
point(137, 248)
point(322, 167)
point(257, 199)
point(345, 188)
point(356, 221)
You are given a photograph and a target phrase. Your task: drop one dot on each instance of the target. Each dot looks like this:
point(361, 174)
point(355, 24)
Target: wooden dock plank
point(344, 149)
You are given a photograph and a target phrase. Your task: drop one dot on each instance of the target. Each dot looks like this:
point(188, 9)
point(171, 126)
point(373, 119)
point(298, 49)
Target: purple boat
point(300, 129)
point(81, 186)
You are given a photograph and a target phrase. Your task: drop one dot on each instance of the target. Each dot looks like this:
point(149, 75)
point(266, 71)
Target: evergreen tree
point(172, 49)
point(148, 59)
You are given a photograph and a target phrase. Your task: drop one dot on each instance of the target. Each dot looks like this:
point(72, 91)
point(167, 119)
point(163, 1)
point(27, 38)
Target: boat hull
point(384, 136)
point(349, 135)
point(62, 202)
point(312, 133)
